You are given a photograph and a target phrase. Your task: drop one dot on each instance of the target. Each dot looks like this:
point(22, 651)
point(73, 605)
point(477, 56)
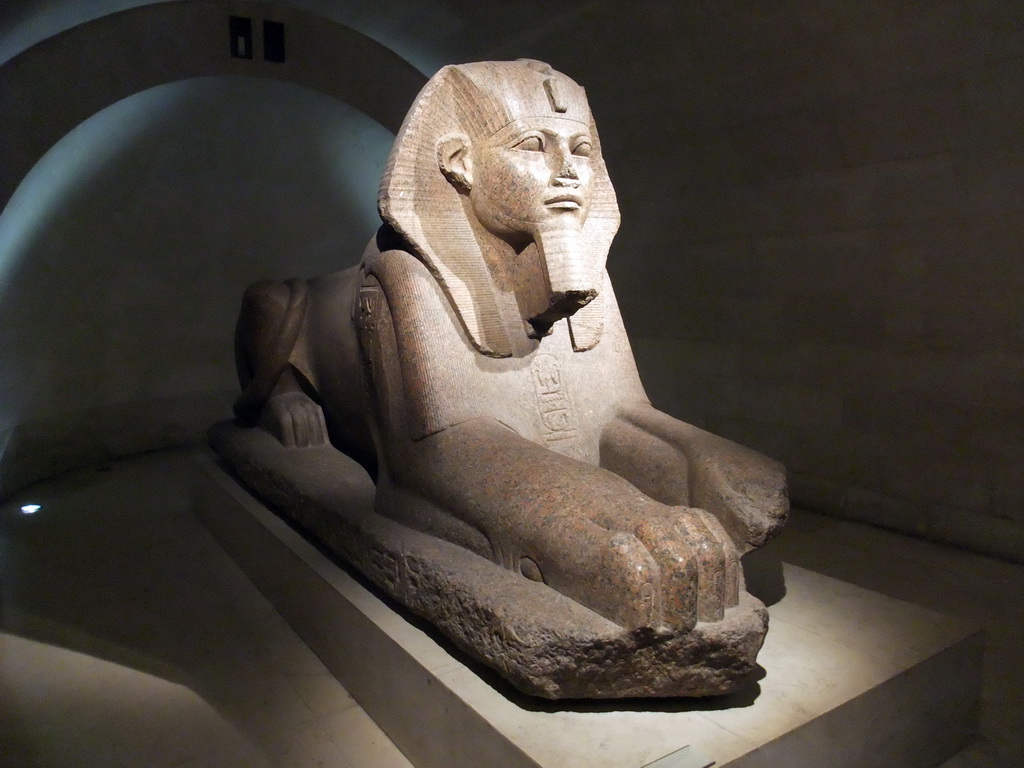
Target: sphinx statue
point(526, 497)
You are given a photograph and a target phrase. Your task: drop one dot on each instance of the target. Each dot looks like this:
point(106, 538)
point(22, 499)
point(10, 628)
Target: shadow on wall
point(124, 253)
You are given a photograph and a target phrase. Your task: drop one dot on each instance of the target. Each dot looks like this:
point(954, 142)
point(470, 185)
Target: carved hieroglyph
point(528, 499)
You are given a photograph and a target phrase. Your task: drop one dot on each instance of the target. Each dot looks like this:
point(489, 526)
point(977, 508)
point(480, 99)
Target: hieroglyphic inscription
point(557, 414)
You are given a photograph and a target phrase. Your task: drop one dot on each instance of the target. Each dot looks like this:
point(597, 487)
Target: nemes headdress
point(419, 202)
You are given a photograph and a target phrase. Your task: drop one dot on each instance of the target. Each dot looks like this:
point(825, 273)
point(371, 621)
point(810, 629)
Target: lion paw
point(295, 420)
point(664, 571)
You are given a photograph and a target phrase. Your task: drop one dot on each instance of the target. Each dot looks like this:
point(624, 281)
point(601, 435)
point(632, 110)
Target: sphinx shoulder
point(415, 296)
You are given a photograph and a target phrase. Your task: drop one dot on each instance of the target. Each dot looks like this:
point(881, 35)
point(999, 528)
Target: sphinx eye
point(581, 149)
point(532, 143)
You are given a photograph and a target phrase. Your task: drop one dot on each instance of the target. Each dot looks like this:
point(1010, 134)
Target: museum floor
point(129, 638)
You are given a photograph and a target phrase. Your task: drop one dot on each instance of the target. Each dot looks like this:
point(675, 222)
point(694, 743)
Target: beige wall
point(821, 223)
point(831, 266)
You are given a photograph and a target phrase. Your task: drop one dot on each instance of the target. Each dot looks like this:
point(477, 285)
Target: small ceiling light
point(29, 509)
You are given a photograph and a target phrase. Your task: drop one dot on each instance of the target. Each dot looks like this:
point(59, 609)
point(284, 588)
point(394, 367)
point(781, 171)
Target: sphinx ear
point(455, 161)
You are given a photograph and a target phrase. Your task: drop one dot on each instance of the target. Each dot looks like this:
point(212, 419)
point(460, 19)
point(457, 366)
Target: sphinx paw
point(295, 420)
point(662, 568)
point(694, 564)
point(698, 563)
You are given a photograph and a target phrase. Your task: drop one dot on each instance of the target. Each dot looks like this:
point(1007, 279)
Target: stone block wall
point(828, 264)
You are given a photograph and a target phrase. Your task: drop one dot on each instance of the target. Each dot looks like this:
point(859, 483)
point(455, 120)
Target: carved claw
point(675, 567)
point(295, 420)
point(697, 564)
point(678, 570)
point(610, 572)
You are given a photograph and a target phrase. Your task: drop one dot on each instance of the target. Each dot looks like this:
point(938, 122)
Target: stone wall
point(829, 263)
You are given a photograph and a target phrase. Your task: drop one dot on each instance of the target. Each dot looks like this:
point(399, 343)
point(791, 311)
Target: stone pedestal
point(852, 679)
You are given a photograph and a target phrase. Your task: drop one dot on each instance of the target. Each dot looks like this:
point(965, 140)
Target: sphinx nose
point(564, 165)
point(567, 175)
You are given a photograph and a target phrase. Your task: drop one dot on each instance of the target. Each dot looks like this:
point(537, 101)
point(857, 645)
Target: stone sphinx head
point(497, 181)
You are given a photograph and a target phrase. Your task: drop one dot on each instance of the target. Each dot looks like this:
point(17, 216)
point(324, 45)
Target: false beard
point(570, 279)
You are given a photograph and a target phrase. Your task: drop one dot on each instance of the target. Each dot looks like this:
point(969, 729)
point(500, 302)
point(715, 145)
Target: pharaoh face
point(516, 210)
point(532, 175)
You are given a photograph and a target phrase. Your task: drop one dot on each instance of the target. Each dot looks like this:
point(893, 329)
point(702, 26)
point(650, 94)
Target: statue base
point(544, 643)
point(852, 679)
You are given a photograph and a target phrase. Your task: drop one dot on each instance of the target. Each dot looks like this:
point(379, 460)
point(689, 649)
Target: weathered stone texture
point(543, 643)
point(529, 500)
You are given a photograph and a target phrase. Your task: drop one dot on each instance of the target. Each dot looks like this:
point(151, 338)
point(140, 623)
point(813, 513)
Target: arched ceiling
point(51, 87)
point(416, 30)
